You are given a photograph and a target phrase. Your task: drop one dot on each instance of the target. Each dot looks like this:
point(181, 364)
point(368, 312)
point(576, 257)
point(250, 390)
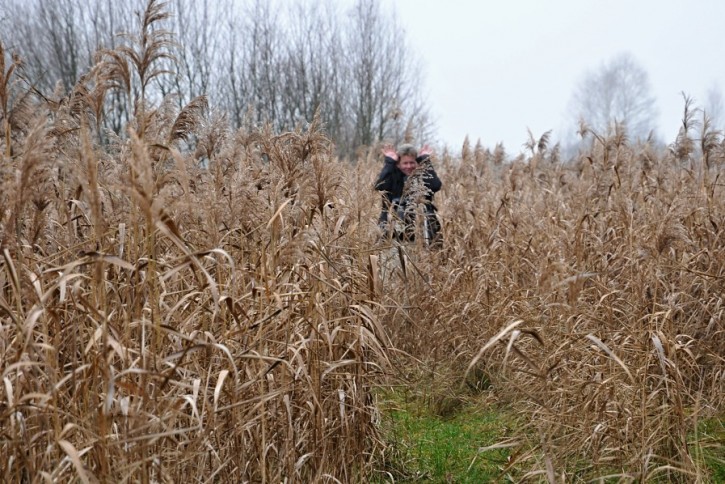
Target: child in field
point(408, 178)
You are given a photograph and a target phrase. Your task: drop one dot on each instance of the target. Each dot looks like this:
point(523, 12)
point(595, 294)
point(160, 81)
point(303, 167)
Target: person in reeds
point(406, 180)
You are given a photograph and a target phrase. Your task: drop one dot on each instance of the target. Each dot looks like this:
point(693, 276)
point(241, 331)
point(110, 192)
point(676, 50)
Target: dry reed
point(184, 301)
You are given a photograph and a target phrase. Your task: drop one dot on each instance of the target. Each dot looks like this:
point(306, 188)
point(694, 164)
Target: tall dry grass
point(591, 295)
point(189, 302)
point(169, 314)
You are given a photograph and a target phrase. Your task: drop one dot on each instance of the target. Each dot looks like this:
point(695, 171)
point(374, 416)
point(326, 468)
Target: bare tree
point(618, 92)
point(196, 62)
point(261, 52)
point(248, 67)
point(309, 63)
point(373, 70)
point(279, 62)
point(385, 77)
point(231, 87)
point(65, 35)
point(54, 55)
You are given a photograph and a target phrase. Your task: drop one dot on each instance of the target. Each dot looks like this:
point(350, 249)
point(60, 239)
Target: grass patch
point(438, 438)
point(425, 446)
point(711, 447)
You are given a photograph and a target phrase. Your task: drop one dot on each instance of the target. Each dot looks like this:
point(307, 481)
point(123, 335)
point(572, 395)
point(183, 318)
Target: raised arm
point(390, 153)
point(432, 182)
point(424, 153)
point(384, 181)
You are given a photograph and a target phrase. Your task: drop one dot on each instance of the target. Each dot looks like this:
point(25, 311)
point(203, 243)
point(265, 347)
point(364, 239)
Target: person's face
point(407, 164)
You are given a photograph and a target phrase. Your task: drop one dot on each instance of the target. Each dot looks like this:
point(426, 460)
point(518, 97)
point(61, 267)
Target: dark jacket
point(391, 182)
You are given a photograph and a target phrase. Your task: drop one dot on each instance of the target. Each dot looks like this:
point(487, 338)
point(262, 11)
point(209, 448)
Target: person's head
point(407, 155)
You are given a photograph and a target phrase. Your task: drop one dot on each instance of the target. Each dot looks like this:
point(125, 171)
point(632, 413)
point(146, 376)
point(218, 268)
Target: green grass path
point(431, 442)
point(440, 440)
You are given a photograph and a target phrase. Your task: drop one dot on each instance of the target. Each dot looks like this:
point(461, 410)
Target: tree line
point(258, 62)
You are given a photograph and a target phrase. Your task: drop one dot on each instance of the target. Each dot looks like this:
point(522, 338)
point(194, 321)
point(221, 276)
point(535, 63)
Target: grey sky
point(495, 68)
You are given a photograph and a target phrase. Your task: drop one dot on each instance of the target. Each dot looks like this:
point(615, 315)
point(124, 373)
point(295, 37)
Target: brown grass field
point(224, 313)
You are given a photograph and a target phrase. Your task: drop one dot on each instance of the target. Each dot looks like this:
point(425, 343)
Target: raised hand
point(389, 151)
point(425, 150)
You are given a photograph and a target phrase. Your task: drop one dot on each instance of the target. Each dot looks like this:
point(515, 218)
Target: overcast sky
point(493, 68)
